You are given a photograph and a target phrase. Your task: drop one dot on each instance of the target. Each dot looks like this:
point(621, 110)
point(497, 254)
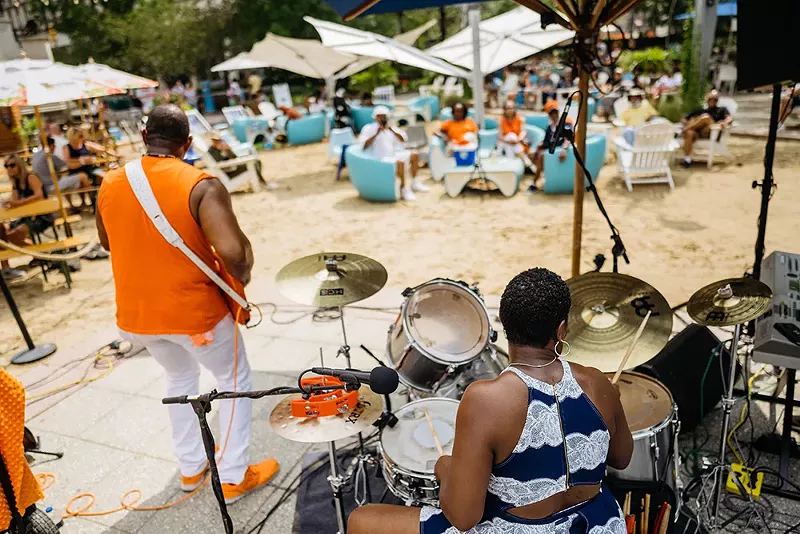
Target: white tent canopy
point(241, 61)
point(407, 38)
point(306, 57)
point(504, 39)
point(352, 41)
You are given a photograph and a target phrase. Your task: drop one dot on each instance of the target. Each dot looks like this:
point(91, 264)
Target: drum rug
point(314, 512)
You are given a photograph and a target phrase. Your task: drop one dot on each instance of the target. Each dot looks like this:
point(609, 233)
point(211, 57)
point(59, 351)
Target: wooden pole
point(53, 173)
point(580, 180)
point(16, 119)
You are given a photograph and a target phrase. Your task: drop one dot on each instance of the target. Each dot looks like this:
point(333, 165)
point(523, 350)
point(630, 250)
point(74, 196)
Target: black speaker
point(766, 46)
point(680, 367)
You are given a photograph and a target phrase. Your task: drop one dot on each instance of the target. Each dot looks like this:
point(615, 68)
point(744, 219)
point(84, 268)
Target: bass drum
point(408, 450)
point(653, 419)
point(489, 365)
point(442, 326)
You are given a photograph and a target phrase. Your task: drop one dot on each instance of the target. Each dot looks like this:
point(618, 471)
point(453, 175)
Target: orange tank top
point(511, 126)
point(159, 290)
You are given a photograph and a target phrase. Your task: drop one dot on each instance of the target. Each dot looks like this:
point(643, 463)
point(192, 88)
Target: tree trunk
point(400, 22)
point(442, 23)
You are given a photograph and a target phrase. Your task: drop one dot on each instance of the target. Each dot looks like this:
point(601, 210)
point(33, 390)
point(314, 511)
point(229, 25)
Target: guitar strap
point(144, 194)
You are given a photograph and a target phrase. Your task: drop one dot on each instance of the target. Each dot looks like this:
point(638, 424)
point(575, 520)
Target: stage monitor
point(767, 46)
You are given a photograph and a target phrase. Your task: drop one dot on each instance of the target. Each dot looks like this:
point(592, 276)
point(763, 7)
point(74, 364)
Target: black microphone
point(559, 133)
point(381, 380)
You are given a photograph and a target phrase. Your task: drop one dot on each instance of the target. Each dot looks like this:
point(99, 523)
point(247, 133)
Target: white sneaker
point(13, 274)
point(418, 186)
point(408, 194)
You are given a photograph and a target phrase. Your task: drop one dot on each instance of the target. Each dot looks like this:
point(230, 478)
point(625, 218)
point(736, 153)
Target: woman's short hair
point(74, 134)
point(533, 305)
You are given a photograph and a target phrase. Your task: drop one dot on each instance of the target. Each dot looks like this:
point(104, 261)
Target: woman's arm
point(72, 163)
point(465, 476)
point(38, 193)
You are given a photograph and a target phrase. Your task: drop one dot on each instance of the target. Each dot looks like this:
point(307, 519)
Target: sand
point(677, 241)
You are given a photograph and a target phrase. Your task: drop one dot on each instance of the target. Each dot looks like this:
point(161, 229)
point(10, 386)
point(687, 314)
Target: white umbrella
point(241, 61)
point(407, 38)
point(504, 39)
point(306, 57)
point(118, 79)
point(352, 41)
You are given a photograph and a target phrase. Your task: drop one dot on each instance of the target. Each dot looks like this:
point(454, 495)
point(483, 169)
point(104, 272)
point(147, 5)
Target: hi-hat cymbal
point(327, 428)
point(607, 309)
point(331, 279)
point(730, 302)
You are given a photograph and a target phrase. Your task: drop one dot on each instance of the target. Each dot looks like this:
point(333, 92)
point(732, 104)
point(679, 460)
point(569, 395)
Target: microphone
point(559, 133)
point(381, 380)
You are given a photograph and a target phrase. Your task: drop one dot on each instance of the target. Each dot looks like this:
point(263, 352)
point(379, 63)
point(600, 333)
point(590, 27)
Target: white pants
point(180, 358)
point(508, 149)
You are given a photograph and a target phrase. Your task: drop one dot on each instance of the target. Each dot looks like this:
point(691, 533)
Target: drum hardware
point(730, 302)
point(607, 309)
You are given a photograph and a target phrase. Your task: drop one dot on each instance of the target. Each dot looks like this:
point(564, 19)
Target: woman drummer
point(532, 445)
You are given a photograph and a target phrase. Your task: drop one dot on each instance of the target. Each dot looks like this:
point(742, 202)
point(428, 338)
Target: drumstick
point(433, 432)
point(646, 513)
point(626, 505)
point(665, 520)
point(624, 361)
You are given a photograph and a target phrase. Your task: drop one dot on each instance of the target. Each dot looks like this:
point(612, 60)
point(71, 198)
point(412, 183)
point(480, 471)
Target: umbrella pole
point(16, 117)
point(474, 15)
point(580, 180)
point(53, 173)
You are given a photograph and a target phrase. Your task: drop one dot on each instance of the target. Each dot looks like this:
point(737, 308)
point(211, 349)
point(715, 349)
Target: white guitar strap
point(144, 194)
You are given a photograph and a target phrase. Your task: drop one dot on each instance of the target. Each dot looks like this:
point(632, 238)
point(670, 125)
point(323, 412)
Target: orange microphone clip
point(335, 402)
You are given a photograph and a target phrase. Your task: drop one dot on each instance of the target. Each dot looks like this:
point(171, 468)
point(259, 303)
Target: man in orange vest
point(174, 309)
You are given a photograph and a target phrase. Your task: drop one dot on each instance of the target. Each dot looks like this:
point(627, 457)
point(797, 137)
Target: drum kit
point(443, 339)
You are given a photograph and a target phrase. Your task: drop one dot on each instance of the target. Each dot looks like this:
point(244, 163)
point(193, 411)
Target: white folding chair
point(220, 169)
point(452, 87)
point(436, 87)
point(234, 113)
point(647, 161)
point(726, 75)
point(717, 144)
point(384, 95)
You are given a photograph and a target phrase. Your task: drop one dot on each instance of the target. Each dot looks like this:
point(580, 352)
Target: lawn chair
point(418, 141)
point(436, 87)
point(647, 161)
point(246, 127)
point(384, 95)
point(200, 127)
point(726, 75)
point(717, 144)
point(453, 87)
point(220, 169)
point(339, 138)
point(268, 112)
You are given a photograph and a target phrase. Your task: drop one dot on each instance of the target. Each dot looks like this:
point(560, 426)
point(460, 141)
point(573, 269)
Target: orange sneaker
point(192, 483)
point(256, 476)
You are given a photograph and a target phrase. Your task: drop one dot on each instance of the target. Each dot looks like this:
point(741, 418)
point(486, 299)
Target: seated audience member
point(70, 182)
point(387, 143)
point(80, 155)
point(461, 130)
point(220, 151)
point(291, 113)
point(697, 124)
point(549, 139)
point(789, 101)
point(513, 137)
point(639, 111)
point(342, 114)
point(669, 81)
point(26, 188)
point(366, 100)
point(531, 447)
point(313, 105)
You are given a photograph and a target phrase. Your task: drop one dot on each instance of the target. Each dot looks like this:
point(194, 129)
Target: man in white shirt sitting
point(387, 143)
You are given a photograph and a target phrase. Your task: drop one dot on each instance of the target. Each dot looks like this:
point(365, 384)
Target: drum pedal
point(744, 481)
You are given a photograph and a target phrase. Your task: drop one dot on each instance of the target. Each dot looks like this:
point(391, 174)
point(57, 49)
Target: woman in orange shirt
point(513, 137)
point(457, 130)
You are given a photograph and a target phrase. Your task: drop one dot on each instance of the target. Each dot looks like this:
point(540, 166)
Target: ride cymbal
point(331, 279)
point(730, 302)
point(607, 309)
point(326, 428)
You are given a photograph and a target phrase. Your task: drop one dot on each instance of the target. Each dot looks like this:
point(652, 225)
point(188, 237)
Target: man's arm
point(398, 134)
point(101, 230)
point(211, 207)
point(370, 140)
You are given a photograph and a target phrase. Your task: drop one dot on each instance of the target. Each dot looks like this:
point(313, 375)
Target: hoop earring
point(561, 354)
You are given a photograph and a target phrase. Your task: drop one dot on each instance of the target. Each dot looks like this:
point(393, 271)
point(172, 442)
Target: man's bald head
point(167, 130)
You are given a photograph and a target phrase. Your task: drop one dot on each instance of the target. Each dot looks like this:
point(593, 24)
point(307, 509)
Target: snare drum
point(408, 451)
point(653, 419)
point(442, 325)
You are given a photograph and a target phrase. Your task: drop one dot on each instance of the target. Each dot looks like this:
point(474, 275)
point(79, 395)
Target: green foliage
point(694, 86)
point(382, 73)
point(28, 131)
point(671, 108)
point(651, 60)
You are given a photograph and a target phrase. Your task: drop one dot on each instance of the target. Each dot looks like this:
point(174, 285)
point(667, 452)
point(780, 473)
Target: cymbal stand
point(337, 481)
point(362, 459)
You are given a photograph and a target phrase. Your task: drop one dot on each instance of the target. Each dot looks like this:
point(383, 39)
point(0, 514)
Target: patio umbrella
point(241, 61)
point(504, 39)
point(407, 38)
point(27, 82)
point(352, 41)
point(306, 57)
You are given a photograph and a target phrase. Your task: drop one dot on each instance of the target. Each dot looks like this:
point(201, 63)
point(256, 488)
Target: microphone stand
point(618, 248)
point(201, 404)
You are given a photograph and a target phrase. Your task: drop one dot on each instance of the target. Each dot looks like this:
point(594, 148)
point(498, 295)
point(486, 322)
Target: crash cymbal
point(331, 279)
point(327, 428)
point(607, 309)
point(730, 302)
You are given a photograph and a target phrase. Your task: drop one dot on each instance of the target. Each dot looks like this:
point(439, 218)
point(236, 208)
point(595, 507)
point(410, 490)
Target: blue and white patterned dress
point(564, 443)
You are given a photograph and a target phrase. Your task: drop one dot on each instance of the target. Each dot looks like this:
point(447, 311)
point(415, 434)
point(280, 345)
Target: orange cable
point(46, 480)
